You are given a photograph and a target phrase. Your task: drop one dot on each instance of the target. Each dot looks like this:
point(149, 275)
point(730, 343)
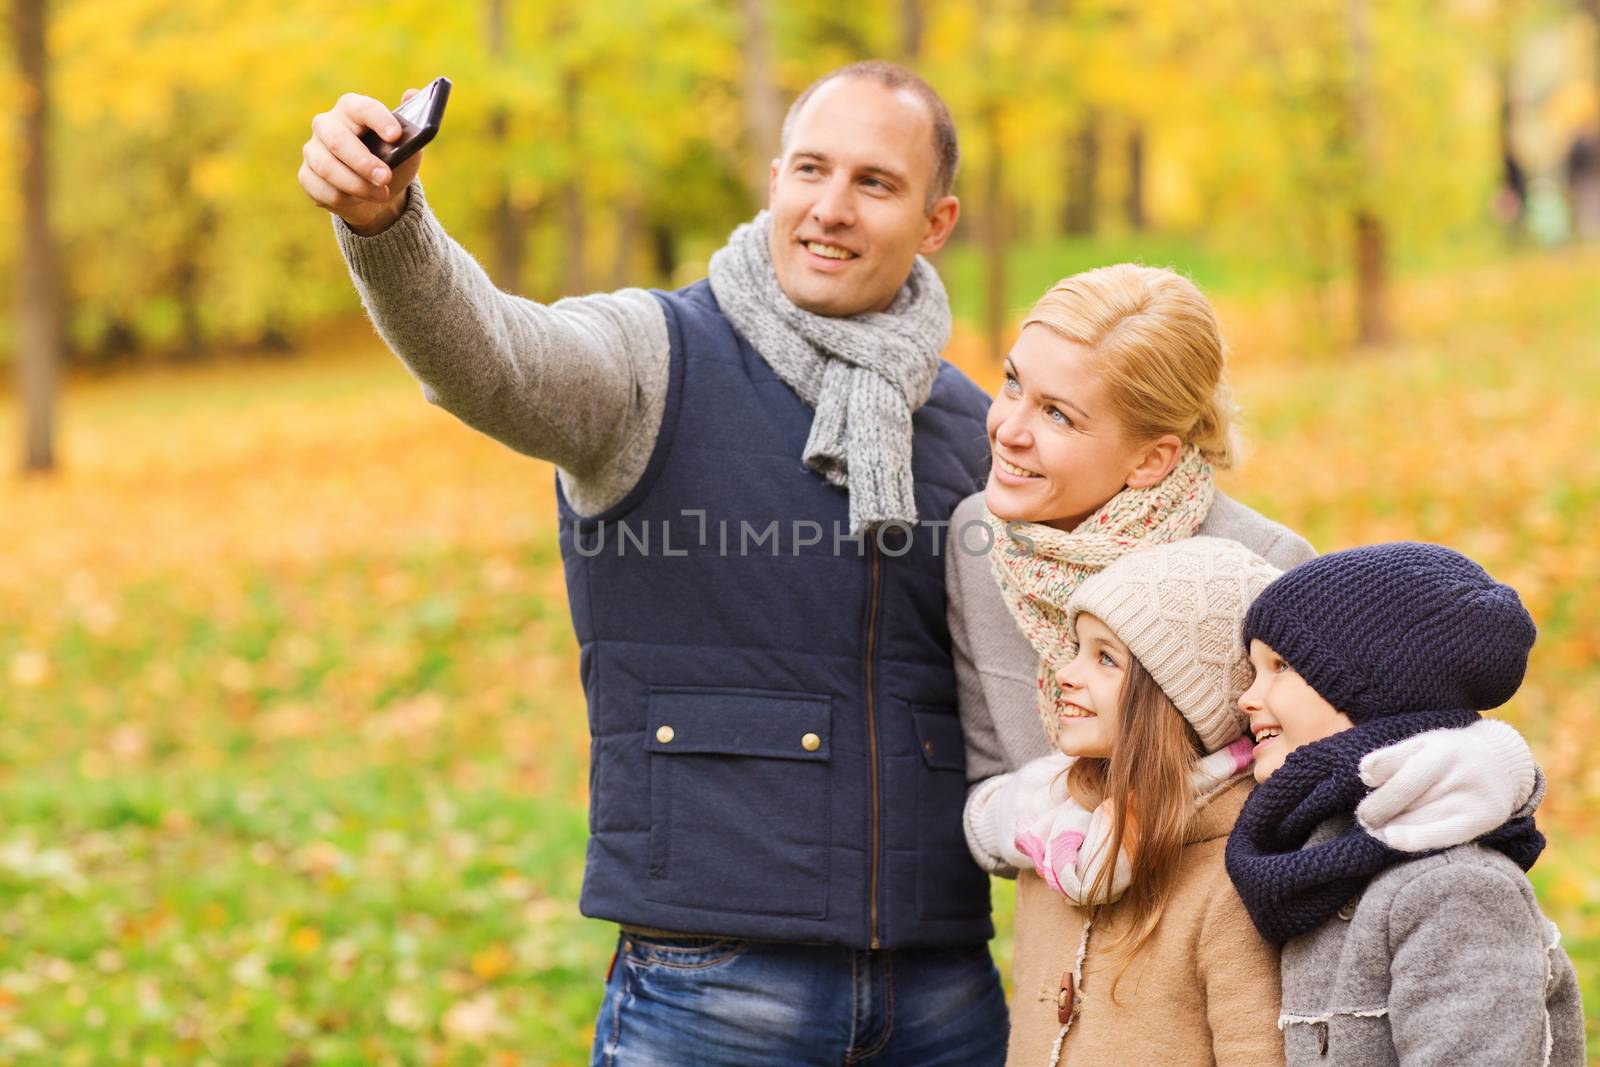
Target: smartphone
point(419, 122)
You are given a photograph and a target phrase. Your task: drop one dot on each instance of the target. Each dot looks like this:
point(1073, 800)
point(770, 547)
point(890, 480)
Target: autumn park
point(294, 758)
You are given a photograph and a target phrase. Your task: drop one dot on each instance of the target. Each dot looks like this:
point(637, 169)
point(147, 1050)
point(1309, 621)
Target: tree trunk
point(994, 235)
point(1592, 9)
point(911, 29)
point(573, 222)
point(506, 221)
point(1133, 205)
point(1513, 197)
point(38, 286)
point(664, 252)
point(1373, 325)
point(186, 288)
point(763, 109)
point(1372, 280)
point(1083, 165)
point(628, 224)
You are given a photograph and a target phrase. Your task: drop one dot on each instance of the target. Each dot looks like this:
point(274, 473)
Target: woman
point(1114, 406)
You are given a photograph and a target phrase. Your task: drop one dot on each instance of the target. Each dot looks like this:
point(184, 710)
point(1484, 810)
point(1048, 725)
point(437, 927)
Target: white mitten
point(1446, 787)
point(1005, 801)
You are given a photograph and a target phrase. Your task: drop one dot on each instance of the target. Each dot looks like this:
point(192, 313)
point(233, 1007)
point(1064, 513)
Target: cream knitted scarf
point(1038, 567)
point(863, 376)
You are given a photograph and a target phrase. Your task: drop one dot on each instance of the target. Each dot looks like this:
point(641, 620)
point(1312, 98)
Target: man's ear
point(941, 220)
point(1155, 462)
point(772, 180)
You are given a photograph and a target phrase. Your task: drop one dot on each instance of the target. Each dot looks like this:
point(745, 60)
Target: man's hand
point(339, 174)
point(1447, 786)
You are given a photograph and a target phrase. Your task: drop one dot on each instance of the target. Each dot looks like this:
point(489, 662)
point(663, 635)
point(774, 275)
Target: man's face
point(849, 198)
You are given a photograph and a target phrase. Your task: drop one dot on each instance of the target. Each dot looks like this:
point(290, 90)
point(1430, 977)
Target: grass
point(292, 750)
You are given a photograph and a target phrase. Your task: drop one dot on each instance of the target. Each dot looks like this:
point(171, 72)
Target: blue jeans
point(709, 1002)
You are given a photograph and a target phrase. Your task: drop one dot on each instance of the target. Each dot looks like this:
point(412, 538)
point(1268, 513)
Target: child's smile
point(1285, 712)
point(1091, 686)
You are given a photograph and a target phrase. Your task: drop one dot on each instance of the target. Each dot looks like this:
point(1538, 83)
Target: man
point(776, 779)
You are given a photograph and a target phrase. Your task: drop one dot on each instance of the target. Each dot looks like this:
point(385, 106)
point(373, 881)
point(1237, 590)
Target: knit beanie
point(1178, 608)
point(1397, 628)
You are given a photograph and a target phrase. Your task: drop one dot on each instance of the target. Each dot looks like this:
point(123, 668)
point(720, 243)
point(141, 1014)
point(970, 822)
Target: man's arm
point(581, 382)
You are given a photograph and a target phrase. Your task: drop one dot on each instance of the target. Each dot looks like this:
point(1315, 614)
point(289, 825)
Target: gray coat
point(1442, 961)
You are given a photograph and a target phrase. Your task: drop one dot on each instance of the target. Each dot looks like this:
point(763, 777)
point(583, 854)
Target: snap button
point(1064, 999)
point(665, 734)
point(811, 742)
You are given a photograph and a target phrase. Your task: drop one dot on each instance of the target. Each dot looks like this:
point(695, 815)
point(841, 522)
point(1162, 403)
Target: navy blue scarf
point(1290, 889)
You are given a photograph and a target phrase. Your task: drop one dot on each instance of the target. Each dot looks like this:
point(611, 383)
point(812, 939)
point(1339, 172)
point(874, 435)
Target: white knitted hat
point(1179, 608)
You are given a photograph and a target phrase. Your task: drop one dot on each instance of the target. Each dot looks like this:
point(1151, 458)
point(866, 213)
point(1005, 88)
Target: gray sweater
point(1441, 961)
point(996, 667)
point(581, 382)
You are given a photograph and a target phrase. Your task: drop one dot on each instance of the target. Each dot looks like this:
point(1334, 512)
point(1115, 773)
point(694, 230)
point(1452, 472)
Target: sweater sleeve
point(985, 757)
point(992, 661)
point(1467, 970)
point(581, 382)
point(985, 754)
point(1238, 971)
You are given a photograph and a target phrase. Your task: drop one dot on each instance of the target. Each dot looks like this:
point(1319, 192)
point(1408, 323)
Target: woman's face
point(1059, 452)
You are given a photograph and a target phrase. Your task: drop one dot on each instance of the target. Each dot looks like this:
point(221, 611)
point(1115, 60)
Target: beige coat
point(1203, 991)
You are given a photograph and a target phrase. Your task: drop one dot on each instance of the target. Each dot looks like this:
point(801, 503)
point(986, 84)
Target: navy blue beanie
point(1397, 628)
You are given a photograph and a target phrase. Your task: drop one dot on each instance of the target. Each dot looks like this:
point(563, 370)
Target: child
point(1131, 947)
point(1391, 958)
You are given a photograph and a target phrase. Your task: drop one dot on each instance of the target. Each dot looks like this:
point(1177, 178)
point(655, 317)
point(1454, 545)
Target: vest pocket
point(739, 800)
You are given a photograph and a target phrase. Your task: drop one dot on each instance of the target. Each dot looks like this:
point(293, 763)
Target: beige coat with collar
point(1203, 991)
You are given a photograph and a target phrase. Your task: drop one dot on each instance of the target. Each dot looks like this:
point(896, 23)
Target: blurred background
point(292, 748)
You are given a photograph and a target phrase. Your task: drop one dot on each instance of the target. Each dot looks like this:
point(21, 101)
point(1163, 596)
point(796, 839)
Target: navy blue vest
point(775, 751)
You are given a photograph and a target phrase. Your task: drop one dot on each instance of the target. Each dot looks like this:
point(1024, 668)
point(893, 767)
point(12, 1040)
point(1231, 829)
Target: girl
point(1131, 947)
point(1388, 958)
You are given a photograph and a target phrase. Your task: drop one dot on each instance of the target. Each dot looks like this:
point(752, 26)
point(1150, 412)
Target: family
point(1250, 803)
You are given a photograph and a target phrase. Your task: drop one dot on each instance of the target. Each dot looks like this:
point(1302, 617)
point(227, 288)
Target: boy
point(1388, 957)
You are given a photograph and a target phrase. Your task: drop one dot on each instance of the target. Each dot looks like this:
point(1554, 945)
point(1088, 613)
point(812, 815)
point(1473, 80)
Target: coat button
point(927, 746)
point(811, 742)
point(1322, 1039)
point(665, 734)
point(1064, 999)
point(1347, 911)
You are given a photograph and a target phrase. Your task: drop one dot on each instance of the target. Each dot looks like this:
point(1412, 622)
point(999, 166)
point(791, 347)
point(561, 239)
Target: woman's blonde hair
point(1147, 781)
point(1158, 347)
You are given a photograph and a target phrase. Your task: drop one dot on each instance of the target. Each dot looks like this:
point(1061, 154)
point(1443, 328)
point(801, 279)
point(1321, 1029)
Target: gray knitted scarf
point(862, 375)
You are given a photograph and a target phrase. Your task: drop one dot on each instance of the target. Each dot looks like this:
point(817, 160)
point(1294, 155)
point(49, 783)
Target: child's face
point(1285, 712)
point(1092, 684)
